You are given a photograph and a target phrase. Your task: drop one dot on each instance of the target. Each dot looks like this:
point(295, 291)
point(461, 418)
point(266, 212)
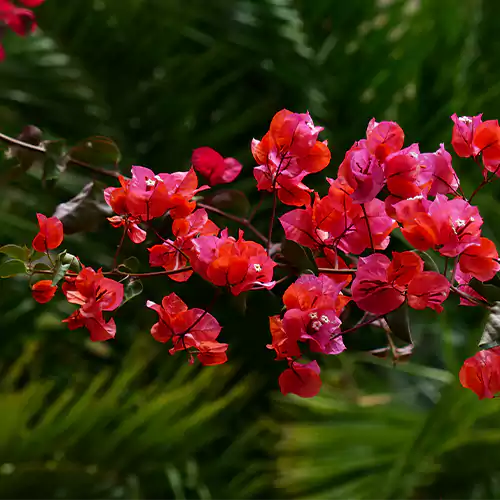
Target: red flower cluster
point(313, 305)
point(238, 264)
point(19, 19)
point(94, 294)
point(173, 255)
point(381, 186)
point(381, 286)
point(147, 196)
point(286, 154)
point(192, 330)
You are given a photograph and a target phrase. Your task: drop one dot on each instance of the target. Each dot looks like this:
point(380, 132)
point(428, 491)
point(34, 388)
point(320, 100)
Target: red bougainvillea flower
point(463, 133)
point(134, 232)
point(193, 330)
point(238, 264)
point(363, 172)
point(148, 195)
point(480, 261)
point(481, 373)
point(21, 21)
point(214, 167)
point(172, 255)
point(313, 305)
point(335, 221)
point(487, 140)
point(381, 286)
point(50, 235)
point(436, 167)
point(302, 380)
point(94, 294)
point(286, 154)
point(463, 280)
point(332, 260)
point(43, 291)
point(448, 226)
point(284, 346)
point(384, 138)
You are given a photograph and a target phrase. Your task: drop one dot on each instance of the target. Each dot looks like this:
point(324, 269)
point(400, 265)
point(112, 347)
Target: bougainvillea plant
point(332, 259)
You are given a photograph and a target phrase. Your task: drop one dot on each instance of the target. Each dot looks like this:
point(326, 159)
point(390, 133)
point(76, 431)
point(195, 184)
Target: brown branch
point(40, 149)
point(240, 220)
point(117, 272)
point(327, 270)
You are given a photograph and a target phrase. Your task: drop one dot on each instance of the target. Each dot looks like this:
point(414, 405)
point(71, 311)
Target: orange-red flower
point(480, 261)
point(238, 264)
point(302, 380)
point(481, 373)
point(193, 330)
point(50, 235)
point(43, 291)
point(214, 167)
point(94, 294)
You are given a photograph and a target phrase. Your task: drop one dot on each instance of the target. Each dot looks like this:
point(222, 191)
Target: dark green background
point(124, 419)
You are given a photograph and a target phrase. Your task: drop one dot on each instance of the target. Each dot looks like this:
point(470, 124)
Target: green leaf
point(491, 334)
point(399, 323)
point(16, 252)
point(86, 211)
point(298, 257)
point(96, 151)
point(12, 268)
point(130, 264)
point(230, 200)
point(132, 289)
point(489, 291)
point(55, 161)
point(63, 263)
point(41, 266)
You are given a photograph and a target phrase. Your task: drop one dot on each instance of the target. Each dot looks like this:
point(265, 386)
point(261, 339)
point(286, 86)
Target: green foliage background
point(161, 77)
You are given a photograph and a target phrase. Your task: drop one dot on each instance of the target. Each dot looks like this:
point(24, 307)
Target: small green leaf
point(490, 292)
point(429, 263)
point(298, 257)
point(239, 302)
point(230, 200)
point(130, 265)
point(41, 266)
point(12, 268)
point(86, 211)
point(97, 151)
point(16, 252)
point(62, 265)
point(74, 263)
point(399, 323)
point(132, 289)
point(55, 161)
point(491, 333)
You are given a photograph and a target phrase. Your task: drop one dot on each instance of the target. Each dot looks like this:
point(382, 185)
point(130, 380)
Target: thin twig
point(117, 272)
point(240, 220)
point(40, 149)
point(327, 270)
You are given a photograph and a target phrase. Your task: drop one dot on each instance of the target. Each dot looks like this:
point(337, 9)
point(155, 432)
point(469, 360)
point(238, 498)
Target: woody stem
point(71, 161)
point(240, 220)
point(271, 222)
point(117, 272)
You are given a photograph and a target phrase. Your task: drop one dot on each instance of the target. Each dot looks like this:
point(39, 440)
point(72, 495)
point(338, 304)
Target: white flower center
point(317, 325)
point(257, 267)
point(313, 315)
point(465, 119)
point(325, 319)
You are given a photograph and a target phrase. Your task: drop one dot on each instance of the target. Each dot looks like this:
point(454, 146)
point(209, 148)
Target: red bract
point(148, 195)
point(487, 141)
point(20, 21)
point(194, 330)
point(463, 133)
point(214, 167)
point(302, 380)
point(480, 261)
point(384, 138)
point(43, 291)
point(172, 255)
point(381, 286)
point(313, 305)
point(448, 226)
point(286, 154)
point(238, 264)
point(481, 373)
point(284, 346)
point(50, 235)
point(95, 294)
point(332, 260)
